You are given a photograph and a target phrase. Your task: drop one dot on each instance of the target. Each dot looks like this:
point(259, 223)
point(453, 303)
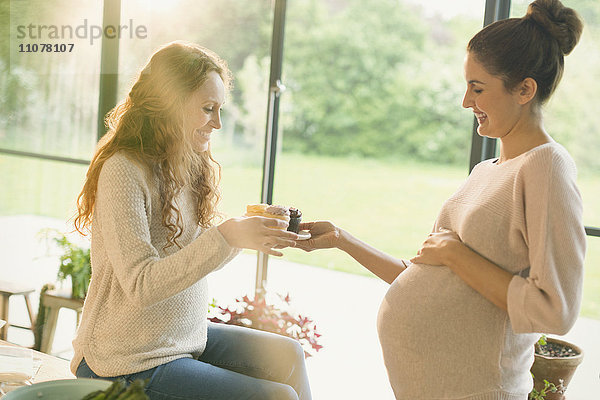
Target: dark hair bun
point(563, 23)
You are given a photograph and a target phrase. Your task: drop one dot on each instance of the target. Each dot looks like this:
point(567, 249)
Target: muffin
point(295, 219)
point(266, 210)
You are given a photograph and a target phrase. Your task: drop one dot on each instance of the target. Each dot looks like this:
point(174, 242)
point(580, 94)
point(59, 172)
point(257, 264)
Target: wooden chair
point(54, 301)
point(8, 289)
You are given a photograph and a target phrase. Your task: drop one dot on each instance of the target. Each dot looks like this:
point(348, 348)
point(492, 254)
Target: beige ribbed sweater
point(146, 306)
point(443, 340)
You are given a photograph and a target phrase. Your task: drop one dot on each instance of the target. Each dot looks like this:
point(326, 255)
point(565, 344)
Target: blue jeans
point(238, 363)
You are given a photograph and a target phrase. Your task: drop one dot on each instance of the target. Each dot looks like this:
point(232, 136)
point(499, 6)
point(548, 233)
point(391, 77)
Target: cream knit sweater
point(146, 306)
point(443, 340)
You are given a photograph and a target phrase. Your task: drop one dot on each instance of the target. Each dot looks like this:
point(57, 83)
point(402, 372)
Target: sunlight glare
point(158, 5)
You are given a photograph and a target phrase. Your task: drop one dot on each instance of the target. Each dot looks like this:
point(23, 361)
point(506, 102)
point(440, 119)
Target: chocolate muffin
point(295, 218)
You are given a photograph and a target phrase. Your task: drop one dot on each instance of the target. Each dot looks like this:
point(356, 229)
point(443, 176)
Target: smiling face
point(202, 112)
point(498, 111)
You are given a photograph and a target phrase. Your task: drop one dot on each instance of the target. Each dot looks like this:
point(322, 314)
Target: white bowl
point(65, 389)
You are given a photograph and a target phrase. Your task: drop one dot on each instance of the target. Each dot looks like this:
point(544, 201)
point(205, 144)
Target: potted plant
point(74, 263)
point(554, 366)
point(258, 313)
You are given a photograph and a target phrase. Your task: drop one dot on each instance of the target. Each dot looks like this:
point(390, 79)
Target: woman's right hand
point(324, 235)
point(258, 233)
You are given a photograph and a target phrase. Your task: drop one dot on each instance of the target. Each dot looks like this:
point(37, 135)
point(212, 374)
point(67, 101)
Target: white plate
point(303, 235)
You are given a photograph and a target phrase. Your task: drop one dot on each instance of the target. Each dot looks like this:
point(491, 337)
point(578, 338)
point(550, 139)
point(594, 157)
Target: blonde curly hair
point(148, 126)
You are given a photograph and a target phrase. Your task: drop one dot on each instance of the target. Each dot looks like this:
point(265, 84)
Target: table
point(51, 368)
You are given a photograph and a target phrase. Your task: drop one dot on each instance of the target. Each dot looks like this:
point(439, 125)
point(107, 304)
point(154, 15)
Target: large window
point(373, 133)
point(49, 103)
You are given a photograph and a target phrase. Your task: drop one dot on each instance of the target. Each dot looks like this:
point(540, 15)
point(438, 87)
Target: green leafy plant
point(541, 342)
point(74, 263)
point(278, 318)
point(120, 390)
point(549, 387)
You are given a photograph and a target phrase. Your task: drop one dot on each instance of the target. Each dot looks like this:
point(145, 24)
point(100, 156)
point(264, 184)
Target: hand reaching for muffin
point(324, 235)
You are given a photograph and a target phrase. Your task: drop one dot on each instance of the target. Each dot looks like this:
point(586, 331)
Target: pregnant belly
point(436, 331)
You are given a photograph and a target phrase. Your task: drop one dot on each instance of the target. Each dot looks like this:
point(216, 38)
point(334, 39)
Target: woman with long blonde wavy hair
point(149, 201)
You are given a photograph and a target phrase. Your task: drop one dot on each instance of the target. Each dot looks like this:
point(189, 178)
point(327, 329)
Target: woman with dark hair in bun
point(504, 261)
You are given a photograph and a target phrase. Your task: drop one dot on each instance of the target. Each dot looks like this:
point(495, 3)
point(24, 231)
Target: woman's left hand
point(436, 248)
